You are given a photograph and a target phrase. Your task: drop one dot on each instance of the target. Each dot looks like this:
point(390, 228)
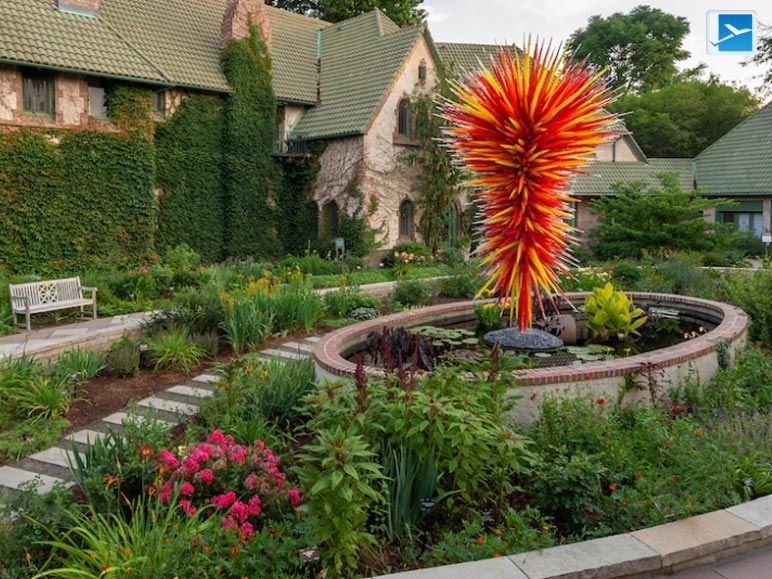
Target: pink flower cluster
point(238, 481)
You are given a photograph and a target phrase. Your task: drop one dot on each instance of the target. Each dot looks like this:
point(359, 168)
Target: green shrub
point(245, 324)
point(413, 293)
point(626, 274)
point(174, 350)
point(181, 257)
point(276, 388)
point(82, 364)
point(312, 264)
point(753, 294)
point(123, 358)
point(462, 282)
point(341, 303)
point(422, 254)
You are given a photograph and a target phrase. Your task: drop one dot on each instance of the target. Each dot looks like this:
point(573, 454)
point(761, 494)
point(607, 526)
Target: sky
point(510, 21)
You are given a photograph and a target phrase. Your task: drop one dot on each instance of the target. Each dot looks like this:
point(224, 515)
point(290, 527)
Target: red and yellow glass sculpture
point(523, 125)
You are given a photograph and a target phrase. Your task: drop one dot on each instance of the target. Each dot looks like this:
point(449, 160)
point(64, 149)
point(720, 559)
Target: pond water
point(464, 341)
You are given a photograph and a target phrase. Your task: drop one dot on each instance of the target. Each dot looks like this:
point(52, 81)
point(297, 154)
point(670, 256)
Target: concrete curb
point(665, 549)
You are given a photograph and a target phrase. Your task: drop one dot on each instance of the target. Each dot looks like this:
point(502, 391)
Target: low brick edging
point(330, 350)
point(664, 549)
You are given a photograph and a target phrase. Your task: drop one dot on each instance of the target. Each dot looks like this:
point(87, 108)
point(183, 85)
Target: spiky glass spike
point(523, 125)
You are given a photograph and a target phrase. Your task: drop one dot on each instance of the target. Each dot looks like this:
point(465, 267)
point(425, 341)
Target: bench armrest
point(84, 288)
point(24, 300)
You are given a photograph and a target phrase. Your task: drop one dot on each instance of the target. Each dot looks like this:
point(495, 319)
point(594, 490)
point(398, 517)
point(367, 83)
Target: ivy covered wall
point(189, 150)
point(250, 173)
point(77, 200)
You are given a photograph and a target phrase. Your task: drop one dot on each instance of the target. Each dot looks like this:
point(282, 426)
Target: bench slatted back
point(44, 292)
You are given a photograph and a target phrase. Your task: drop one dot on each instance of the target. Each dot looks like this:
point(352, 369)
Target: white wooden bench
point(47, 296)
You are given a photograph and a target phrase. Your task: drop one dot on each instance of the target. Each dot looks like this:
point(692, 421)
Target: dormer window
point(422, 73)
point(37, 92)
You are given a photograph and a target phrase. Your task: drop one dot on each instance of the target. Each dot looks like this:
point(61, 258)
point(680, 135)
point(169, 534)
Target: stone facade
point(235, 23)
point(339, 178)
point(386, 180)
point(70, 106)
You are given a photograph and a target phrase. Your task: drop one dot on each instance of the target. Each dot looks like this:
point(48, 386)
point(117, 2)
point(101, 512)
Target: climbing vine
point(189, 149)
point(85, 202)
point(250, 197)
point(438, 179)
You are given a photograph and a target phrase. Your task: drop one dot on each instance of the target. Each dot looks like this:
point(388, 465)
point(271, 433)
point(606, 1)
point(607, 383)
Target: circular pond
point(697, 358)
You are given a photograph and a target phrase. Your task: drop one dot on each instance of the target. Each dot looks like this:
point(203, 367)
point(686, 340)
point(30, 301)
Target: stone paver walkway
point(171, 405)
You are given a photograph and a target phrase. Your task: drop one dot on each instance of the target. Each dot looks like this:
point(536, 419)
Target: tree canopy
point(763, 57)
point(683, 118)
point(640, 217)
point(400, 11)
point(639, 49)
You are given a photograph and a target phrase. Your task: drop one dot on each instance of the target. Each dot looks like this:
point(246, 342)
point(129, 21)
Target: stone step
point(271, 353)
point(86, 437)
point(297, 347)
point(190, 391)
point(312, 339)
point(119, 418)
point(207, 378)
point(162, 404)
point(14, 478)
point(56, 456)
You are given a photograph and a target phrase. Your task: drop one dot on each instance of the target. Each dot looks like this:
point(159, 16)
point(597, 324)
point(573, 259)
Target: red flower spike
point(523, 126)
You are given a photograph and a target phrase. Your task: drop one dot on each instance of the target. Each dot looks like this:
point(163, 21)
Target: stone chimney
point(235, 22)
point(85, 7)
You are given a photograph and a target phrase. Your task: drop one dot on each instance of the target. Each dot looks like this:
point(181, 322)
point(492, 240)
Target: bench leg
point(29, 322)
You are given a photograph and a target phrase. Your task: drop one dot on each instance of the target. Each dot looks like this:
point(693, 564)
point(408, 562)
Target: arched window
point(403, 119)
point(422, 72)
point(330, 218)
point(406, 217)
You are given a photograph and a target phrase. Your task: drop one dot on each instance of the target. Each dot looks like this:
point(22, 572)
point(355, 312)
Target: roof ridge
point(141, 54)
point(732, 130)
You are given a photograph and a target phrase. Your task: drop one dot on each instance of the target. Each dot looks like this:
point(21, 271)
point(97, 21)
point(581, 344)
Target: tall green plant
point(340, 478)
point(612, 313)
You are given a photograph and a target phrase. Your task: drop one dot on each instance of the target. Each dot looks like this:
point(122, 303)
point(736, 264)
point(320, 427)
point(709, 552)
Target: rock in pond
point(526, 342)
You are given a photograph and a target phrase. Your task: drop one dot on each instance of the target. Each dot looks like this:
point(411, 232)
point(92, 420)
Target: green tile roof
point(360, 60)
point(181, 37)
point(35, 32)
point(740, 162)
point(602, 174)
point(173, 42)
point(294, 53)
point(466, 57)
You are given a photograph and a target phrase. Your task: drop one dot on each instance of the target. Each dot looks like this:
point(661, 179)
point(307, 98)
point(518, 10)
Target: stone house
point(344, 85)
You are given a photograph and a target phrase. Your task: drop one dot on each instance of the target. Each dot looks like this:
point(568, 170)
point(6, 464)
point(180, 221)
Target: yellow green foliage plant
point(611, 313)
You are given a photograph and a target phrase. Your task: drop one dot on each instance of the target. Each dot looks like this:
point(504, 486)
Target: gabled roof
point(603, 174)
point(740, 162)
point(360, 60)
point(35, 32)
point(466, 57)
point(169, 42)
point(295, 46)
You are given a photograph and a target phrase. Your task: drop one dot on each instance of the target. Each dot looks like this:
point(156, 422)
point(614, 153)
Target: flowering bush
point(240, 482)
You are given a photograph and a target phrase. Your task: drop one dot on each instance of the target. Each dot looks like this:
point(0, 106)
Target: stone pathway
point(172, 405)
